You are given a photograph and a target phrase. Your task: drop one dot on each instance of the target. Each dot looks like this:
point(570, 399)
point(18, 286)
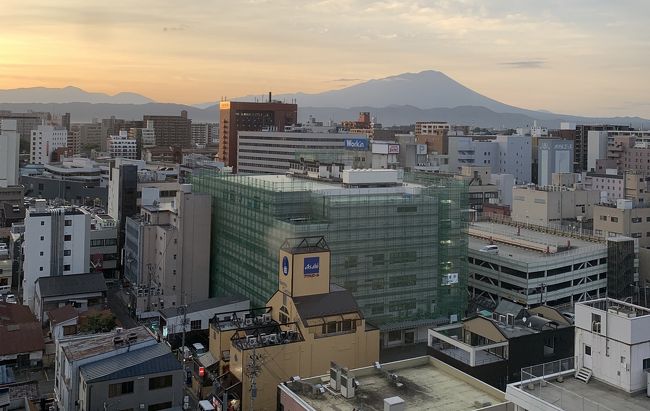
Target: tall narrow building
point(171, 131)
point(9, 146)
point(238, 116)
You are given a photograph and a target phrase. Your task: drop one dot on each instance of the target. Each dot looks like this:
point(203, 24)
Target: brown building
point(238, 116)
point(175, 131)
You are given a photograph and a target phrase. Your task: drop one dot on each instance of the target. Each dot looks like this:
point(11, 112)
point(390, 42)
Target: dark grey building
point(149, 379)
point(74, 192)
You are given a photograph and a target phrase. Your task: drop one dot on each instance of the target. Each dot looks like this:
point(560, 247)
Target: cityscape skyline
point(581, 58)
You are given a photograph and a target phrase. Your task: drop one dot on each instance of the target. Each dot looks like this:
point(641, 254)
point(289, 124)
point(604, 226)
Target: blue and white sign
point(312, 266)
point(285, 265)
point(356, 143)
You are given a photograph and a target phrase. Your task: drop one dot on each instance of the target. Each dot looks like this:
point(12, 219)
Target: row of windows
point(127, 387)
point(103, 242)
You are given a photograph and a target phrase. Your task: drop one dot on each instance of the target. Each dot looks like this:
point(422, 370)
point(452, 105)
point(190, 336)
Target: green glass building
point(401, 250)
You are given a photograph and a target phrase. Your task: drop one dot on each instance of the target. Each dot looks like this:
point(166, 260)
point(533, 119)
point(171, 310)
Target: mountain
point(397, 100)
point(424, 90)
point(68, 95)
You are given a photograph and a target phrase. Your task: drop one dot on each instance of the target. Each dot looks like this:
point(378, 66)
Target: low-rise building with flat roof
point(494, 347)
point(422, 383)
point(609, 370)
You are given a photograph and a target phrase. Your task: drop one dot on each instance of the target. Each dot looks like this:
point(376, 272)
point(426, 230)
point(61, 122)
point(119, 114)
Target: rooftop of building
point(424, 383)
point(21, 338)
point(61, 314)
point(617, 307)
point(78, 348)
point(289, 183)
point(152, 359)
point(524, 244)
point(542, 389)
point(197, 306)
point(71, 284)
point(337, 302)
point(11, 314)
point(44, 210)
point(266, 334)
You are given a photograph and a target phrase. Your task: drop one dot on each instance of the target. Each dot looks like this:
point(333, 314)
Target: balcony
point(445, 341)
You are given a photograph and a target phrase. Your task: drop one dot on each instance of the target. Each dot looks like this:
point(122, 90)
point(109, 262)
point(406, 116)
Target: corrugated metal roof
point(148, 360)
point(71, 284)
point(202, 305)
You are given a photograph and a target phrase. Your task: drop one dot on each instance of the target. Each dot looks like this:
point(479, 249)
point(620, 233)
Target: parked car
point(11, 299)
point(199, 349)
point(490, 249)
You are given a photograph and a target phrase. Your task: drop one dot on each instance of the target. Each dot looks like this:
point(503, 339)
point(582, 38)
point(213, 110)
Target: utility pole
point(183, 310)
point(253, 369)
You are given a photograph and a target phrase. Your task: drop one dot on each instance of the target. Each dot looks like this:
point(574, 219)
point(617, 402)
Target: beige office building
point(544, 205)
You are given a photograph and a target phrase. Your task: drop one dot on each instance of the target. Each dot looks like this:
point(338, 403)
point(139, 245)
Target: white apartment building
point(504, 154)
point(56, 243)
point(9, 151)
point(149, 135)
point(45, 140)
point(610, 367)
point(269, 152)
point(121, 146)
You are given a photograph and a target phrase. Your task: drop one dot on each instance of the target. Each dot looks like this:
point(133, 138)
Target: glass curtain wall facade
point(402, 251)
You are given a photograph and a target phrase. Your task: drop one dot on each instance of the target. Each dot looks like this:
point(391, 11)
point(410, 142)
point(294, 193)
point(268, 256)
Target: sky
point(583, 57)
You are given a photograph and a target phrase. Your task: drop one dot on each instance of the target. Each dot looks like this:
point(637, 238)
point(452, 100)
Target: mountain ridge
point(68, 94)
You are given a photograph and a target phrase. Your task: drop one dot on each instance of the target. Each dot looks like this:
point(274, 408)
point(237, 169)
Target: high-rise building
point(25, 123)
point(554, 156)
point(45, 141)
point(90, 136)
point(56, 243)
point(434, 134)
point(9, 152)
point(238, 116)
point(148, 134)
point(581, 143)
point(204, 133)
point(399, 247)
point(174, 131)
point(167, 252)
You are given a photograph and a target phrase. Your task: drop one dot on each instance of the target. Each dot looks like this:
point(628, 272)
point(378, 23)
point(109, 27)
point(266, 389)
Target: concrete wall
point(94, 396)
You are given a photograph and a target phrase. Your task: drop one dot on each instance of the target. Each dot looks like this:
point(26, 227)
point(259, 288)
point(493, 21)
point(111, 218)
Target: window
point(41, 254)
point(284, 315)
point(42, 222)
point(121, 388)
point(636, 219)
point(67, 237)
point(614, 219)
point(66, 267)
point(69, 329)
point(174, 256)
point(40, 268)
point(67, 252)
point(42, 238)
point(68, 223)
point(395, 336)
point(163, 381)
point(646, 364)
point(160, 406)
point(195, 324)
point(595, 323)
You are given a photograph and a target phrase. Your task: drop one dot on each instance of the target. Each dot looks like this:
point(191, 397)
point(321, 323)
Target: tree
point(100, 322)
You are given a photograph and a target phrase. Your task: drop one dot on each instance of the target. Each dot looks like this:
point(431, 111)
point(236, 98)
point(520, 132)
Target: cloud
point(525, 64)
point(182, 27)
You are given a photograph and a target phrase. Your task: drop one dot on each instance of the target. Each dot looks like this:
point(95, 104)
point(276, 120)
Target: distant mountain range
point(68, 95)
point(396, 100)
